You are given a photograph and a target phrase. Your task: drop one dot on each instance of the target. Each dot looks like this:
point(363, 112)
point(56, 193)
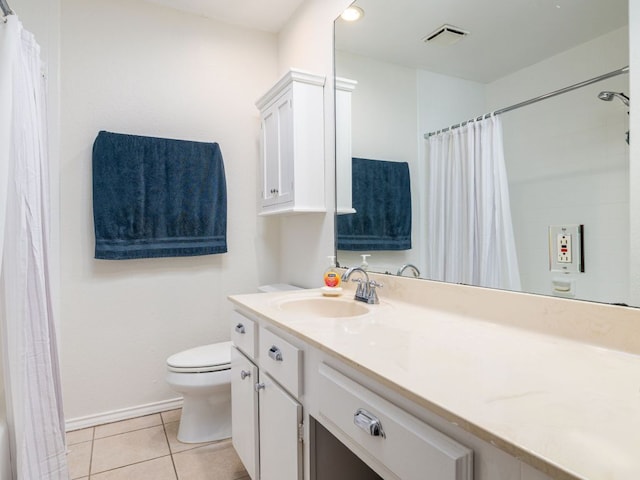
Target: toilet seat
point(207, 358)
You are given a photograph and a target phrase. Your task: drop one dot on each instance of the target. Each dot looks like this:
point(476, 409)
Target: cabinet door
point(277, 152)
point(280, 444)
point(244, 411)
point(285, 159)
point(270, 152)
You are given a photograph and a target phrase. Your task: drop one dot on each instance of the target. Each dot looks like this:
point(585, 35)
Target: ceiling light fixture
point(352, 14)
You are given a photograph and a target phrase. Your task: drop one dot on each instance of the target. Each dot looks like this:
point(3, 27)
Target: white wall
point(567, 162)
point(133, 67)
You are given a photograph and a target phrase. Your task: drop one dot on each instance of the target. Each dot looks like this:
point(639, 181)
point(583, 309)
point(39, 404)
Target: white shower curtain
point(470, 235)
point(29, 347)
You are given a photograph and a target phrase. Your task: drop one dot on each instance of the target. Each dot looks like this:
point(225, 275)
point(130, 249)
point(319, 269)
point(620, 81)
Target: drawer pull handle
point(258, 386)
point(368, 422)
point(275, 353)
point(240, 328)
point(244, 374)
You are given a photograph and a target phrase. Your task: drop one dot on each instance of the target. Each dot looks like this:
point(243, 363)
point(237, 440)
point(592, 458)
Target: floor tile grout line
point(129, 465)
point(93, 435)
point(127, 431)
point(130, 431)
point(166, 436)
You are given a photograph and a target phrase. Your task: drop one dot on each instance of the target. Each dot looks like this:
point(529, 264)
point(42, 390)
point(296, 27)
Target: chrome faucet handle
point(372, 295)
point(361, 290)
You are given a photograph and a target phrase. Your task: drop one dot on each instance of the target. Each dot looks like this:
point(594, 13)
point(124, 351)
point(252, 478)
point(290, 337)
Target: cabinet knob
point(259, 386)
point(244, 374)
point(368, 422)
point(240, 328)
point(275, 353)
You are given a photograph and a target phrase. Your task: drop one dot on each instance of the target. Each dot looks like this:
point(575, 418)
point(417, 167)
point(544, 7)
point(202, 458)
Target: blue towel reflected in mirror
point(381, 193)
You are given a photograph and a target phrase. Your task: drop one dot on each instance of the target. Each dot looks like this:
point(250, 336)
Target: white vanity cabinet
point(292, 145)
point(266, 419)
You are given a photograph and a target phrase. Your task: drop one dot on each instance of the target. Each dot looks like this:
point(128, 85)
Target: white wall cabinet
point(292, 145)
point(266, 419)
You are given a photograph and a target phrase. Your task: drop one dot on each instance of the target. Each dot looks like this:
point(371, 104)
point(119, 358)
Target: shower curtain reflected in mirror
point(29, 346)
point(470, 234)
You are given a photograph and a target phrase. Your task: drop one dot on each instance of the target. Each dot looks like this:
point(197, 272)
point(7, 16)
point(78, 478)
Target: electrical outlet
point(564, 248)
point(566, 252)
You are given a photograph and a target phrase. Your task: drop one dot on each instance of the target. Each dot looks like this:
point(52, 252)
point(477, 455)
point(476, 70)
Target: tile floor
point(146, 448)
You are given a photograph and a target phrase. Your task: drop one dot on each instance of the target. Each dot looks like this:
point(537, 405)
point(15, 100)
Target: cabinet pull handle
point(275, 353)
point(368, 422)
point(258, 386)
point(240, 328)
point(244, 374)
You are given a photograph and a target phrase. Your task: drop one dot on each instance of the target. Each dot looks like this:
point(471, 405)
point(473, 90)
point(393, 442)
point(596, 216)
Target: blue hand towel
point(381, 193)
point(156, 197)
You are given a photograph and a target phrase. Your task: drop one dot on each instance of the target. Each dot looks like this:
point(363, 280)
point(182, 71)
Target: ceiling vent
point(445, 35)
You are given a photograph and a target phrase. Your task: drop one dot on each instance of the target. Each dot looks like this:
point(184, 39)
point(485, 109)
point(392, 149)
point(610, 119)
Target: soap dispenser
point(364, 265)
point(331, 279)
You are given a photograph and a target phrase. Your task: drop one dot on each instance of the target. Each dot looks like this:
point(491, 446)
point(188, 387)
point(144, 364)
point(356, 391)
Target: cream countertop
point(568, 408)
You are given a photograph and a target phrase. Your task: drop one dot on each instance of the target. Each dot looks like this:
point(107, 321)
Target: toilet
point(203, 376)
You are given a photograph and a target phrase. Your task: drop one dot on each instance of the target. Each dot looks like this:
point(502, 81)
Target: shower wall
point(567, 162)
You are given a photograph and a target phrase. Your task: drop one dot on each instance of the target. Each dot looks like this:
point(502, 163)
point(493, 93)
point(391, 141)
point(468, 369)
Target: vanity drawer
point(281, 360)
point(243, 334)
point(387, 436)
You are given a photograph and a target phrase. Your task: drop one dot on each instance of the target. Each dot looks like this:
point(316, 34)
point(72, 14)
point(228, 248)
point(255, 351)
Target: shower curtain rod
point(615, 73)
point(6, 9)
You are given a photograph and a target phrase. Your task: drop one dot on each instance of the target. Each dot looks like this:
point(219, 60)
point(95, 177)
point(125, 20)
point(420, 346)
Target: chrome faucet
point(414, 269)
point(366, 291)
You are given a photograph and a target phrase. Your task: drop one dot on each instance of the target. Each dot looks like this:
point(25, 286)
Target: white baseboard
point(122, 414)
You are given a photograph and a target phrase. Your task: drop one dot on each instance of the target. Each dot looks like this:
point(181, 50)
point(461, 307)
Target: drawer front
point(243, 334)
point(281, 360)
point(384, 434)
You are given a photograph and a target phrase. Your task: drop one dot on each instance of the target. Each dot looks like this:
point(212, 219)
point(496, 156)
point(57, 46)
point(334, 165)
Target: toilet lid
point(207, 358)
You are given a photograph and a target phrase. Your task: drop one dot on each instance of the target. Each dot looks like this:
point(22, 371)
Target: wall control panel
point(566, 253)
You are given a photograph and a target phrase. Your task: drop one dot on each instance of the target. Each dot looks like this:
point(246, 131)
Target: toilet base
point(205, 419)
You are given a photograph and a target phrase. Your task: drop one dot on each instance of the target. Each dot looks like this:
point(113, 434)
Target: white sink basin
point(330, 307)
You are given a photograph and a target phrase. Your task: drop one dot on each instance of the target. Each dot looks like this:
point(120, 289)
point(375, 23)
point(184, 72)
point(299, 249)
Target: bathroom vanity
point(434, 382)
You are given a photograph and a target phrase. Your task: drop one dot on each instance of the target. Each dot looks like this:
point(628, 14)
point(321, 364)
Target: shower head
point(608, 96)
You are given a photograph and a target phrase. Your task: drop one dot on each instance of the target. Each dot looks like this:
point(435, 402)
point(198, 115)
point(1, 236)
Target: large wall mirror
point(566, 158)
